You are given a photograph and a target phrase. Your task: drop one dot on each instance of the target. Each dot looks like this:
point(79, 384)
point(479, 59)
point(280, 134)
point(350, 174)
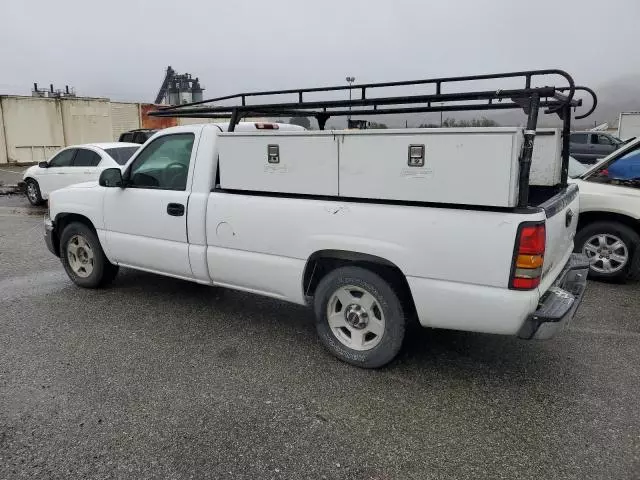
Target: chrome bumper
point(559, 304)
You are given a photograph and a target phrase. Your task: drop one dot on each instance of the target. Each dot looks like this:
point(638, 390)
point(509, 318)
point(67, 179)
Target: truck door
point(145, 222)
point(58, 173)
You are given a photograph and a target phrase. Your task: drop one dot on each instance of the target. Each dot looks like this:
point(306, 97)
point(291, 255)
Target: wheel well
point(591, 217)
point(64, 219)
point(324, 261)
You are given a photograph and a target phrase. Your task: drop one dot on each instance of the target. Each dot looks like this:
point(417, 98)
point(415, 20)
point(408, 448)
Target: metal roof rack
point(530, 99)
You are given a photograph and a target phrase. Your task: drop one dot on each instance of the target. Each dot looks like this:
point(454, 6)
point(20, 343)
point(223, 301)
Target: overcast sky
point(120, 48)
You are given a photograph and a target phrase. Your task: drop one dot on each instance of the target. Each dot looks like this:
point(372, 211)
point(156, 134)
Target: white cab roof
point(105, 145)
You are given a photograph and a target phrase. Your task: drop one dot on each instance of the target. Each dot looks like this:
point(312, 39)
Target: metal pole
point(350, 81)
point(527, 151)
point(566, 132)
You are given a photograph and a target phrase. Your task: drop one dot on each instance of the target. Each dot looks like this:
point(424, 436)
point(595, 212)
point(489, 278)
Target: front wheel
point(613, 250)
point(33, 192)
point(83, 258)
point(359, 317)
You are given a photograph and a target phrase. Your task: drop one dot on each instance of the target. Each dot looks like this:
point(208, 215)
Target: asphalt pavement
point(160, 378)
point(11, 174)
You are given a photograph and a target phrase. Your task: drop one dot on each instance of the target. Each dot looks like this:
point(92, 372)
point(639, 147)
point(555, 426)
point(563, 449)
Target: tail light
point(528, 257)
point(267, 126)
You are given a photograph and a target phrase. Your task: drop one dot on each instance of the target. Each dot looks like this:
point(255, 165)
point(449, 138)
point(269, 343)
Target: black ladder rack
point(556, 99)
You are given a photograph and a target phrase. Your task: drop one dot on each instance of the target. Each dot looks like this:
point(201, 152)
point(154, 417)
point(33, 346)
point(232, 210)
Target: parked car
point(609, 224)
point(140, 135)
point(75, 164)
point(589, 147)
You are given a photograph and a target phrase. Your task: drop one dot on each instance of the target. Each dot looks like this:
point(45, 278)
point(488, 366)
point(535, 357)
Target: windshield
point(121, 154)
point(576, 168)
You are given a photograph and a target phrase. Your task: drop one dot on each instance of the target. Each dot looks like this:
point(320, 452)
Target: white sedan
point(75, 164)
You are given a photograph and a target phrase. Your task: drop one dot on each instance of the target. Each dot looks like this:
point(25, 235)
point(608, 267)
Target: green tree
point(476, 122)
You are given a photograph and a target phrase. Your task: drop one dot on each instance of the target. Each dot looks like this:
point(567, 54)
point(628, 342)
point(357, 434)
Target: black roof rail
point(556, 99)
point(367, 105)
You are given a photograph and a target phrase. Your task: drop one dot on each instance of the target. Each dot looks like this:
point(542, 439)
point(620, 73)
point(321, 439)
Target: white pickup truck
point(371, 228)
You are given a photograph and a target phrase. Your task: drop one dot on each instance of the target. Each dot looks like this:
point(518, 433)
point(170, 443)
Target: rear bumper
point(560, 303)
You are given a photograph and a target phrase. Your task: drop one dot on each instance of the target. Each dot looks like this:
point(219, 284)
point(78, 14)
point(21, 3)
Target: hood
point(623, 149)
point(31, 171)
point(93, 184)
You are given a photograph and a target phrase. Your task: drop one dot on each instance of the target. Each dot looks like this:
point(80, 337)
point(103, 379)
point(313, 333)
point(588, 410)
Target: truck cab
point(589, 147)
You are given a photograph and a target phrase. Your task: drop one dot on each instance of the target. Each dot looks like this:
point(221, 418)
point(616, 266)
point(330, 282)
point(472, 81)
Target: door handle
point(175, 209)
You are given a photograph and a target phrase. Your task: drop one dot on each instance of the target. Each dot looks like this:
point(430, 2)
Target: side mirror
point(43, 164)
point(111, 177)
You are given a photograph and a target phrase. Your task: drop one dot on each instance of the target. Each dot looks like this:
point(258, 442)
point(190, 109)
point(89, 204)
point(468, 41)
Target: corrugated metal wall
point(154, 122)
point(86, 121)
point(33, 128)
point(124, 117)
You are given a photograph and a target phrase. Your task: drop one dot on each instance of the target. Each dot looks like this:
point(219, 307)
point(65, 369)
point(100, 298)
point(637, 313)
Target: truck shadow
point(456, 353)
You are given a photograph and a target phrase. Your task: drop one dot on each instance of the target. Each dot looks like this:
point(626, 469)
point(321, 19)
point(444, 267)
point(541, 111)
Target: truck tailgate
point(562, 219)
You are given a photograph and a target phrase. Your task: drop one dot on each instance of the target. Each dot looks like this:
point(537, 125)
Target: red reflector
point(267, 126)
point(532, 240)
point(526, 283)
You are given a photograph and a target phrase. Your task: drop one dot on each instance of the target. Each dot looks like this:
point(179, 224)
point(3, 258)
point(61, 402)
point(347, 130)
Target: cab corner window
point(163, 164)
point(604, 140)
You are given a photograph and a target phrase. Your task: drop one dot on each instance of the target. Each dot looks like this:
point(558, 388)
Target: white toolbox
point(468, 166)
point(546, 162)
point(472, 166)
point(288, 162)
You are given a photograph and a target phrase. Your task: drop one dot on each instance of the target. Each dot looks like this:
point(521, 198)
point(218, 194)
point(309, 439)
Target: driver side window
point(163, 164)
point(604, 140)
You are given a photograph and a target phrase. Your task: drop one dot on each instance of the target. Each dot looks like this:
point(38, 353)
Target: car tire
point(613, 250)
point(83, 258)
point(367, 330)
point(33, 192)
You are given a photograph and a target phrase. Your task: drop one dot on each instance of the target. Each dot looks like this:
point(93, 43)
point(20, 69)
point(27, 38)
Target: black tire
point(102, 273)
point(631, 269)
point(389, 304)
point(33, 192)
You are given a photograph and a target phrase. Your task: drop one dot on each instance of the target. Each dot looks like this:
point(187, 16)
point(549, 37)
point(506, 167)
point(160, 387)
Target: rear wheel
point(83, 258)
point(33, 192)
point(612, 249)
point(359, 317)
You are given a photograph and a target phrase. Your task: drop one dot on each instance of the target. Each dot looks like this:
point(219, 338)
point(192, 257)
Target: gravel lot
point(159, 378)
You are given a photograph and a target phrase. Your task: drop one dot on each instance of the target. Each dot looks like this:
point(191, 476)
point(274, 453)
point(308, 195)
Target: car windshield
point(576, 168)
point(121, 154)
